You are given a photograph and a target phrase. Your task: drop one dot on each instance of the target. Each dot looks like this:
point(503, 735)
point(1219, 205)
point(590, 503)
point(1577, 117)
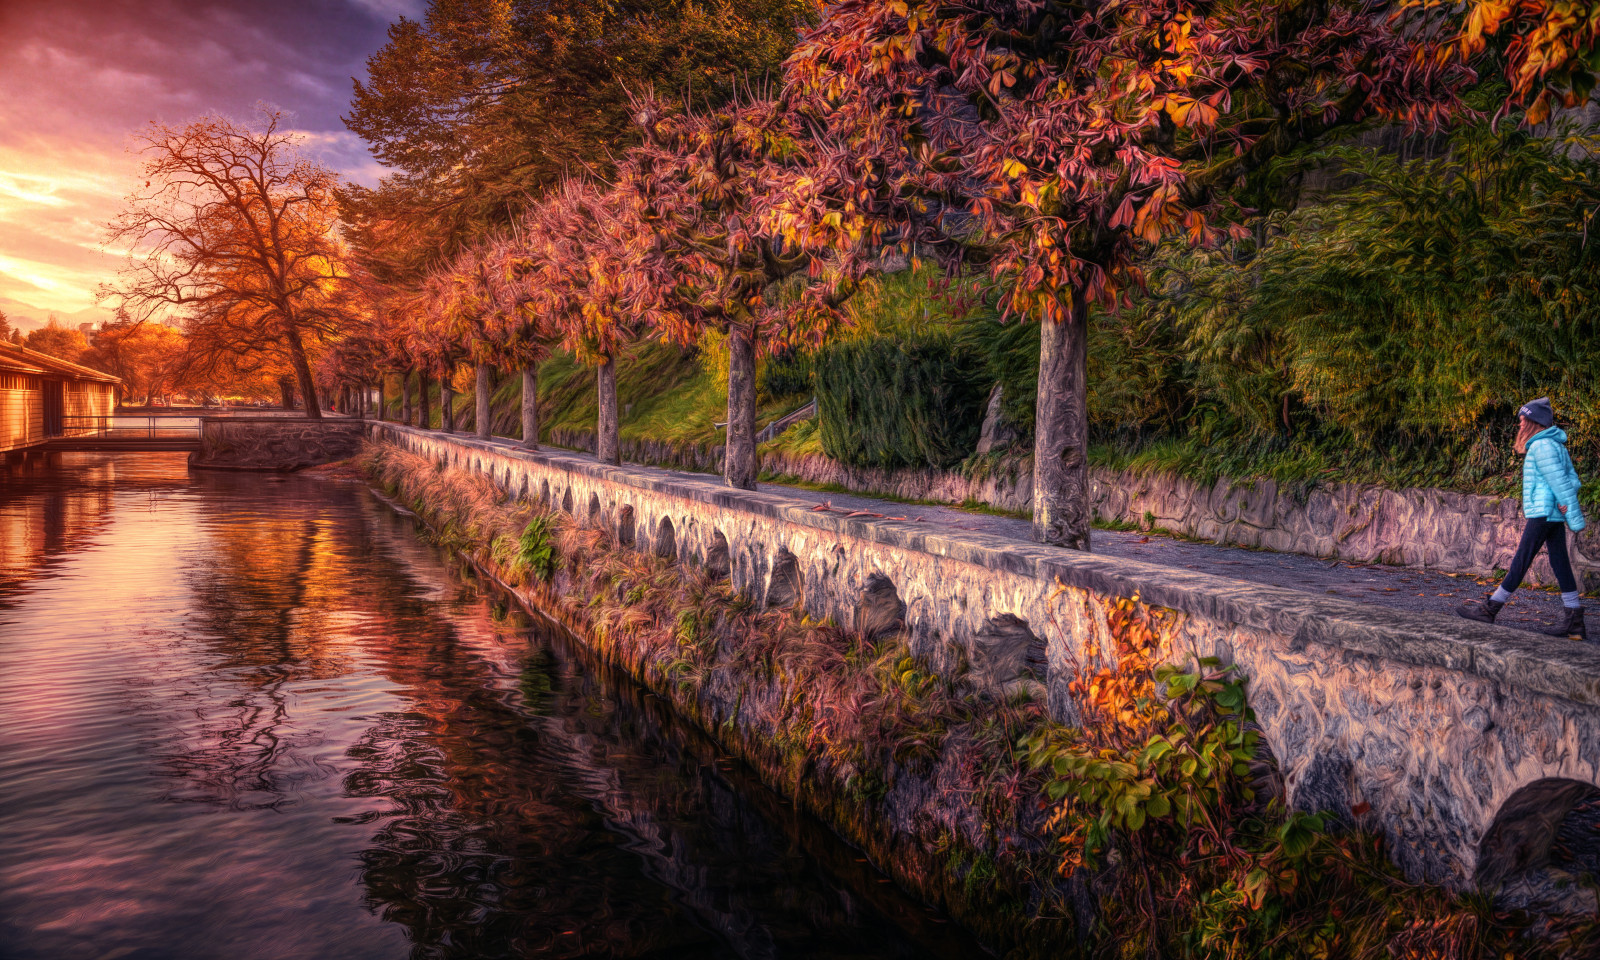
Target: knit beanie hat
point(1538, 411)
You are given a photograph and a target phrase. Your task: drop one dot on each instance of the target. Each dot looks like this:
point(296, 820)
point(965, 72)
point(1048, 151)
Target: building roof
point(15, 359)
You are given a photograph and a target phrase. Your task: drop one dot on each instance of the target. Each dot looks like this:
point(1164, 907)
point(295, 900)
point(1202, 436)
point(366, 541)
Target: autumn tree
point(1051, 144)
point(58, 340)
point(224, 351)
point(234, 228)
point(5, 327)
point(1549, 49)
point(716, 193)
point(481, 105)
point(149, 357)
point(419, 349)
point(458, 301)
point(510, 332)
point(587, 278)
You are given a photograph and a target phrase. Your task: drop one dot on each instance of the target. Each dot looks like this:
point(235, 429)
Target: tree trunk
point(302, 370)
point(606, 447)
point(447, 405)
point(739, 460)
point(286, 391)
point(1061, 432)
point(424, 415)
point(379, 389)
point(405, 397)
point(481, 412)
point(530, 407)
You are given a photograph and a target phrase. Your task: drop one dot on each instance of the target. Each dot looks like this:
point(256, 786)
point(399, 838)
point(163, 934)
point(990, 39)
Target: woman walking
point(1550, 504)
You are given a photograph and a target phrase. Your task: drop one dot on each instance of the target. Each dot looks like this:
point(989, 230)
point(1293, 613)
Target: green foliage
point(1164, 794)
point(536, 551)
point(1402, 319)
point(785, 375)
point(908, 404)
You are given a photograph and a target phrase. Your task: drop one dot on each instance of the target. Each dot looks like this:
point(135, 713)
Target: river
point(249, 715)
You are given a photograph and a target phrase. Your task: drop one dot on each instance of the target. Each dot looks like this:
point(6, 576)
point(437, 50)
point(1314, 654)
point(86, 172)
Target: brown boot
point(1483, 611)
point(1571, 625)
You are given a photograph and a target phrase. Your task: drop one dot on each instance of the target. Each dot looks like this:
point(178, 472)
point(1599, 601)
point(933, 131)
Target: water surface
point(255, 716)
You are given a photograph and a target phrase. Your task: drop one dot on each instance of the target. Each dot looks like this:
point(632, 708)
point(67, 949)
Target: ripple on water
point(257, 717)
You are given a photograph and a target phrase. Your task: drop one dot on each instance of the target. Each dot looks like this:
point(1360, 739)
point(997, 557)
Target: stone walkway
point(1402, 587)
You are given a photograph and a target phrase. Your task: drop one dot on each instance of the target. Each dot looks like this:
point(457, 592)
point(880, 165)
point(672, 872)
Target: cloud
point(391, 10)
point(81, 78)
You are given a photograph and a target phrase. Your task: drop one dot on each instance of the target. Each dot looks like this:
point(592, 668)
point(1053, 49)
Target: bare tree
point(233, 227)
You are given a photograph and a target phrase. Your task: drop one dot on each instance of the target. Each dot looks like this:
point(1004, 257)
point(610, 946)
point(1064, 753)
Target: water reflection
point(256, 717)
point(52, 503)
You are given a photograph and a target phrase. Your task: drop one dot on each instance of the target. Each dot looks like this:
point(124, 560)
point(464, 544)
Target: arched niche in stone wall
point(1544, 840)
point(594, 508)
point(879, 610)
point(785, 586)
point(544, 493)
point(719, 563)
point(1006, 649)
point(566, 502)
point(666, 540)
point(625, 526)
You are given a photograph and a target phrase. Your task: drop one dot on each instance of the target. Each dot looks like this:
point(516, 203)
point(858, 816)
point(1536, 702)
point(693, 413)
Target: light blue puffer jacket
point(1549, 481)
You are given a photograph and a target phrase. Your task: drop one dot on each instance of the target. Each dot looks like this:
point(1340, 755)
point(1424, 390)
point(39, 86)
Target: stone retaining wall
point(274, 443)
point(1423, 728)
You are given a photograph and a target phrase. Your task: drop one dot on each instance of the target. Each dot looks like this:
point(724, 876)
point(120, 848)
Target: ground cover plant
point(1153, 828)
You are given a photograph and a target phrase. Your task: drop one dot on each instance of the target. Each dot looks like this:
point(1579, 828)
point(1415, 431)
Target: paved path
point(1405, 588)
point(1402, 587)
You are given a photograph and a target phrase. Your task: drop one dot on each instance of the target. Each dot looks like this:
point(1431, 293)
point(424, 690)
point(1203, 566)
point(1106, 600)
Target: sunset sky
point(78, 78)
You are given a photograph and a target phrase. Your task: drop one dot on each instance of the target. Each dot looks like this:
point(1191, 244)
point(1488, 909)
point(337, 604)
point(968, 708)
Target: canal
point(254, 715)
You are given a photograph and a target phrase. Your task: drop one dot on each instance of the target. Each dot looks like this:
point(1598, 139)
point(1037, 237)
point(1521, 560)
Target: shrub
point(536, 550)
point(887, 404)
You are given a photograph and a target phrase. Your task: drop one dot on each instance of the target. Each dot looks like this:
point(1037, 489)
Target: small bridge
point(124, 433)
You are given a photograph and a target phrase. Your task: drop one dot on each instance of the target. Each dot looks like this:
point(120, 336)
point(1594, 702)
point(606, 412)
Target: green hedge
point(887, 404)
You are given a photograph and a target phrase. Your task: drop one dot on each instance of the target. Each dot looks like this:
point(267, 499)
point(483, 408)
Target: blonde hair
point(1525, 431)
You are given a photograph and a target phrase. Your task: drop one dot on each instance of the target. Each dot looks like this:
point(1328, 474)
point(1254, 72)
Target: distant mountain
point(27, 317)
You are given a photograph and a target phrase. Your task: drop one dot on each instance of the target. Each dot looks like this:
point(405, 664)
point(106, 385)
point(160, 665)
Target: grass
point(664, 394)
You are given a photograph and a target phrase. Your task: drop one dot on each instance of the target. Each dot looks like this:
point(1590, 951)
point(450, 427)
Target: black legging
point(1536, 534)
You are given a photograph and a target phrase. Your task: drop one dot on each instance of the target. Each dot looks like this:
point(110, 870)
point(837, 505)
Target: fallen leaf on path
point(824, 505)
point(864, 513)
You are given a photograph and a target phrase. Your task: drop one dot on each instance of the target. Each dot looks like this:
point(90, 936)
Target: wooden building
point(43, 396)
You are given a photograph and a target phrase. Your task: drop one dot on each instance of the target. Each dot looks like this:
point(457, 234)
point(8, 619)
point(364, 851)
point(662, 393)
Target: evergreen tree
point(482, 105)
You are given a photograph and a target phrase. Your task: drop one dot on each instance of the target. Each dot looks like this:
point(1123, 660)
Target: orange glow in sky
point(79, 78)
